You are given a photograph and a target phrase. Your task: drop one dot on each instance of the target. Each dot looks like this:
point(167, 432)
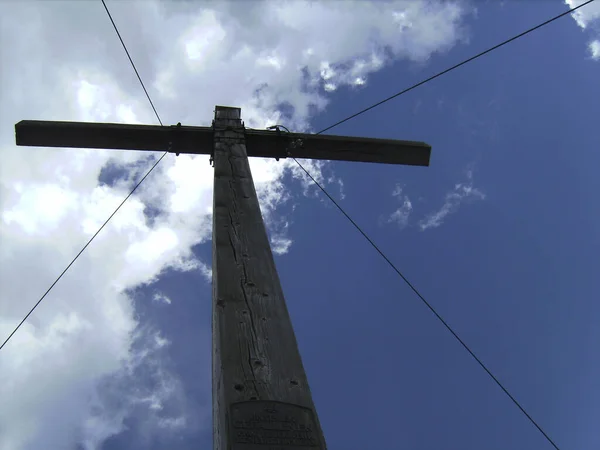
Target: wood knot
point(220, 303)
point(294, 382)
point(239, 387)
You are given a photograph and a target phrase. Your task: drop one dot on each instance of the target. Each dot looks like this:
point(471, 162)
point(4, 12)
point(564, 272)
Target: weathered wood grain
point(39, 133)
point(199, 140)
point(261, 395)
point(261, 398)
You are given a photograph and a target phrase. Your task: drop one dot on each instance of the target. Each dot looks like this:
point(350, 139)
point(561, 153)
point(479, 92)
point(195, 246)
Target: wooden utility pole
point(261, 397)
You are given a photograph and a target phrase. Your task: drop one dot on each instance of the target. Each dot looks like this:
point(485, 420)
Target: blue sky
point(513, 274)
point(511, 267)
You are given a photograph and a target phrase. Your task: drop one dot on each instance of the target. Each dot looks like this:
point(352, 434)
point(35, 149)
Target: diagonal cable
point(431, 308)
point(392, 265)
point(131, 61)
point(118, 207)
point(456, 66)
point(81, 251)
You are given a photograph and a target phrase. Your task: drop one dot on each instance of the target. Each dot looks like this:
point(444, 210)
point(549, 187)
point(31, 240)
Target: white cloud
point(205, 270)
point(594, 48)
point(280, 245)
point(461, 192)
point(585, 15)
point(162, 298)
point(402, 213)
point(160, 340)
point(588, 18)
point(333, 179)
point(173, 424)
point(69, 374)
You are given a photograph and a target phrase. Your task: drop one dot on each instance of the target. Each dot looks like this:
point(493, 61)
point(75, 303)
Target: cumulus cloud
point(462, 192)
point(588, 18)
point(71, 374)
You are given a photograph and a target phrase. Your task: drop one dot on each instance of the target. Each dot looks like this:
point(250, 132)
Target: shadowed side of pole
point(261, 397)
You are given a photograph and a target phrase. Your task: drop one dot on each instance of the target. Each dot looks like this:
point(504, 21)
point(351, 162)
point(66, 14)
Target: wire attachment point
point(293, 143)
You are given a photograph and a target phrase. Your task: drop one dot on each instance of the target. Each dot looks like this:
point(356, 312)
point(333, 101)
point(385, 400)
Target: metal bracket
point(292, 144)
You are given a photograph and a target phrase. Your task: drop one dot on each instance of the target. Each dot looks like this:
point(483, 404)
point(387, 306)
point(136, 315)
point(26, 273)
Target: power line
point(431, 308)
point(455, 66)
point(392, 265)
point(82, 250)
point(118, 207)
point(131, 61)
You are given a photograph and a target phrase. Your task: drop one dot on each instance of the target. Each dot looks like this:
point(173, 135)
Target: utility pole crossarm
point(199, 140)
point(261, 396)
point(40, 133)
point(337, 148)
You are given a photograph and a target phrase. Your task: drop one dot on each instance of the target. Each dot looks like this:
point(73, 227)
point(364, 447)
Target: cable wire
point(131, 61)
point(431, 308)
point(118, 207)
point(82, 250)
point(392, 265)
point(455, 66)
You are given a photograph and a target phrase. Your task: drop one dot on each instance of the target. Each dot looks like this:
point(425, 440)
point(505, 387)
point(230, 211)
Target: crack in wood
point(232, 247)
point(253, 350)
point(253, 330)
point(253, 379)
point(247, 377)
point(252, 367)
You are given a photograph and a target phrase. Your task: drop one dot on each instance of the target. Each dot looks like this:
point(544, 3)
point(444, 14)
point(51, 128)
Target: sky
point(501, 234)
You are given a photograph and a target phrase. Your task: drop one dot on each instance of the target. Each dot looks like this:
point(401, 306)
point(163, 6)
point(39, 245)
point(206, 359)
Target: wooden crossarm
point(199, 140)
